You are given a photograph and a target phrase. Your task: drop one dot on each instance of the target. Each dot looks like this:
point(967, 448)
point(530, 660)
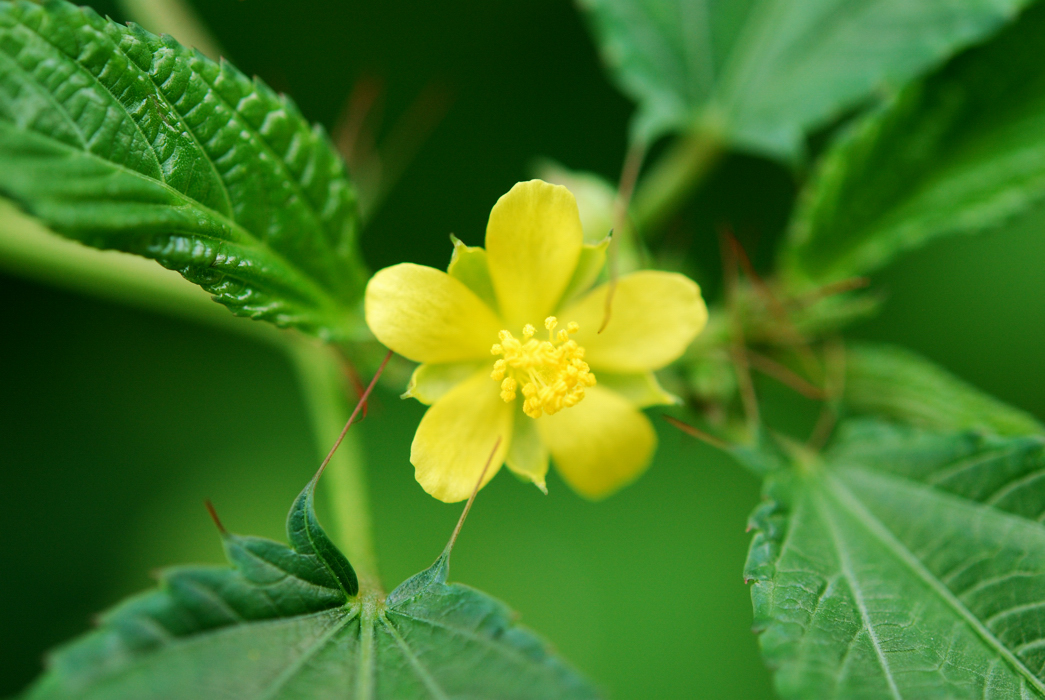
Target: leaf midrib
point(854, 586)
point(831, 486)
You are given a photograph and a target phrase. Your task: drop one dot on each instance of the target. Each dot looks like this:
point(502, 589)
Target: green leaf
point(906, 563)
point(963, 152)
point(292, 622)
point(124, 140)
point(760, 73)
point(898, 384)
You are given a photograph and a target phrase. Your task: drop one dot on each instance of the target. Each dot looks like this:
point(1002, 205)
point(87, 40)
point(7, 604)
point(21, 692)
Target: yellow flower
point(509, 347)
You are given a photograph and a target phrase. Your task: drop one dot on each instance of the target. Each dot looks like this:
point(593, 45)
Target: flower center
point(552, 373)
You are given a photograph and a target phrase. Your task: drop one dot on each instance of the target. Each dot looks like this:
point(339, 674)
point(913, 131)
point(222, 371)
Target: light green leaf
point(760, 73)
point(905, 564)
point(898, 384)
point(963, 152)
point(292, 622)
point(124, 140)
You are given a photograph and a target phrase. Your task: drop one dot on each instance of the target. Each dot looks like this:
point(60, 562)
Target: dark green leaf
point(905, 564)
point(963, 152)
point(760, 73)
point(292, 622)
point(124, 140)
point(900, 385)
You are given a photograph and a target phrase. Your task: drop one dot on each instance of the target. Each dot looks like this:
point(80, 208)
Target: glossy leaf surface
point(121, 139)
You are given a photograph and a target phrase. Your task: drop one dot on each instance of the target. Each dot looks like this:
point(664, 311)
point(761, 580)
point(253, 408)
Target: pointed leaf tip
point(307, 536)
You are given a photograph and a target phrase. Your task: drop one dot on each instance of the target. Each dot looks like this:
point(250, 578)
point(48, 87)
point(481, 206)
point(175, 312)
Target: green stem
point(675, 175)
point(344, 484)
point(29, 250)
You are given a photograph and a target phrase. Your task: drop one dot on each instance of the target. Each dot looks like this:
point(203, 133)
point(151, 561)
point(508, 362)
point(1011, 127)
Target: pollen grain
point(551, 374)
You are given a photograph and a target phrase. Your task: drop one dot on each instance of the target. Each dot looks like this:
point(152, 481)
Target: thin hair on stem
point(475, 491)
point(785, 375)
point(737, 350)
point(352, 418)
point(625, 189)
point(834, 357)
point(697, 433)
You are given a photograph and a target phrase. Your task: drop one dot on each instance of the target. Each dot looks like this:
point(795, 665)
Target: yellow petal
point(595, 196)
point(431, 382)
point(599, 445)
point(427, 316)
point(641, 389)
point(456, 435)
point(527, 456)
point(468, 264)
point(655, 316)
point(533, 242)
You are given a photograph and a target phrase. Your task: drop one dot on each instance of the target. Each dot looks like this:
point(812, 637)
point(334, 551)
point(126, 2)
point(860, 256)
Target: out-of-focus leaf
point(905, 564)
point(177, 18)
point(292, 622)
point(121, 139)
point(962, 152)
point(900, 385)
point(760, 73)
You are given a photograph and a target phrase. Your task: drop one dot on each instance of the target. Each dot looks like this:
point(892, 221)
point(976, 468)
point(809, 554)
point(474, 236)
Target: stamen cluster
point(552, 373)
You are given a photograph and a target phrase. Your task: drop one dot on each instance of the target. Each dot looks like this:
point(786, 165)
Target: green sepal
point(469, 266)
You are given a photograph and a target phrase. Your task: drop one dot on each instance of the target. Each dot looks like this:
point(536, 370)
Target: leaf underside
point(763, 72)
point(909, 563)
point(963, 152)
point(124, 140)
point(291, 622)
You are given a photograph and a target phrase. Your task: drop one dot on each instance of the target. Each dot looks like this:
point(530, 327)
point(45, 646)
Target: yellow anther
point(508, 389)
point(551, 374)
point(572, 327)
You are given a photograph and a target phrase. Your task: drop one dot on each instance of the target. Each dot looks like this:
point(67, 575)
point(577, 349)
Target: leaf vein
point(415, 663)
point(858, 597)
point(75, 62)
point(897, 548)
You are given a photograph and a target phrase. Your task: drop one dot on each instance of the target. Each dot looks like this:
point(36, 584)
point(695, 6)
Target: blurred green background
point(119, 423)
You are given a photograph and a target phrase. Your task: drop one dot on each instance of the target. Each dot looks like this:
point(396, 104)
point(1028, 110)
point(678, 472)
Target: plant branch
point(672, 179)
